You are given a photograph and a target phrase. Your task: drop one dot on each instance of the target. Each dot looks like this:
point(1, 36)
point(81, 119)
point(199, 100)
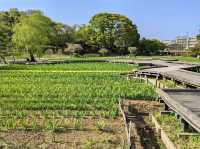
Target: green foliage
point(41, 96)
point(60, 35)
point(172, 126)
point(100, 125)
point(4, 42)
point(18, 28)
point(31, 35)
point(77, 65)
point(150, 47)
point(30, 32)
point(111, 31)
point(196, 50)
point(7, 20)
point(198, 37)
point(103, 52)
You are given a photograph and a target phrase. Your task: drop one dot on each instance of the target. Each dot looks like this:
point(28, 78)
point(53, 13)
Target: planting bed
point(172, 126)
point(144, 135)
point(52, 106)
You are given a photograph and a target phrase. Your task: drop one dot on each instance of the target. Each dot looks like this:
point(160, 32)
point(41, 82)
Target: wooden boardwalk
point(185, 102)
point(186, 77)
point(172, 70)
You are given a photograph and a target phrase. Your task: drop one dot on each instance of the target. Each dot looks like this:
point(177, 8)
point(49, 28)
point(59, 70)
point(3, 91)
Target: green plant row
point(72, 67)
point(50, 95)
point(61, 86)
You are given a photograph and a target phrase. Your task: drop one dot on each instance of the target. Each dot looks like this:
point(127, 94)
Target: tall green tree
point(32, 34)
point(111, 31)
point(196, 49)
point(83, 36)
point(8, 19)
point(4, 42)
point(198, 37)
point(60, 35)
point(150, 47)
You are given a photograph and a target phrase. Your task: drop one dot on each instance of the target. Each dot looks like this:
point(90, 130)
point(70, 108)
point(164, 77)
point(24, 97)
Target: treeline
point(196, 48)
point(32, 33)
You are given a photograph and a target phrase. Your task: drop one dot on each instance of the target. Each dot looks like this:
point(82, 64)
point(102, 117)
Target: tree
point(61, 34)
point(83, 36)
point(111, 31)
point(150, 47)
point(8, 19)
point(31, 34)
point(196, 49)
point(4, 42)
point(198, 37)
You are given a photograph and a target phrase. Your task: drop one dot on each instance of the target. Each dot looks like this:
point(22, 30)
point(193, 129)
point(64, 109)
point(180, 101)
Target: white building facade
point(182, 42)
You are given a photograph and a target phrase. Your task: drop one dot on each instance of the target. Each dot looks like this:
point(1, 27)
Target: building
point(180, 52)
point(185, 43)
point(169, 42)
point(181, 43)
point(192, 42)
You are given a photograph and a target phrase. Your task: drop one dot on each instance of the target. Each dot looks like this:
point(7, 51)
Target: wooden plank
point(187, 134)
point(187, 77)
point(163, 135)
point(182, 110)
point(125, 122)
point(168, 143)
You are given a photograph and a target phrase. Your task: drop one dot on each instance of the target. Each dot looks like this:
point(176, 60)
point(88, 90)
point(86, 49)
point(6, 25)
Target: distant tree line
point(196, 49)
point(32, 33)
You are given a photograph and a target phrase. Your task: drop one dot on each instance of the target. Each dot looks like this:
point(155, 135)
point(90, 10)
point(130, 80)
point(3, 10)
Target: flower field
point(53, 98)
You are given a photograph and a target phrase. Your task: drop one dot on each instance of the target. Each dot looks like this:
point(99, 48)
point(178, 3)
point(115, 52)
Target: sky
point(160, 19)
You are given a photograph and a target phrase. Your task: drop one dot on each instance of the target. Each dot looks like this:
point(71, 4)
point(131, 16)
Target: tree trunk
point(32, 58)
point(4, 59)
point(14, 59)
point(54, 50)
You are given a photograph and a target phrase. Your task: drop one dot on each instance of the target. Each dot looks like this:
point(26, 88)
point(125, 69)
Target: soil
point(143, 133)
point(112, 136)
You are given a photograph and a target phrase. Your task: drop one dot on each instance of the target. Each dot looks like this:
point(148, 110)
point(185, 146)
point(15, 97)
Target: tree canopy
point(196, 49)
point(150, 47)
point(32, 34)
point(111, 31)
point(60, 35)
point(8, 19)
